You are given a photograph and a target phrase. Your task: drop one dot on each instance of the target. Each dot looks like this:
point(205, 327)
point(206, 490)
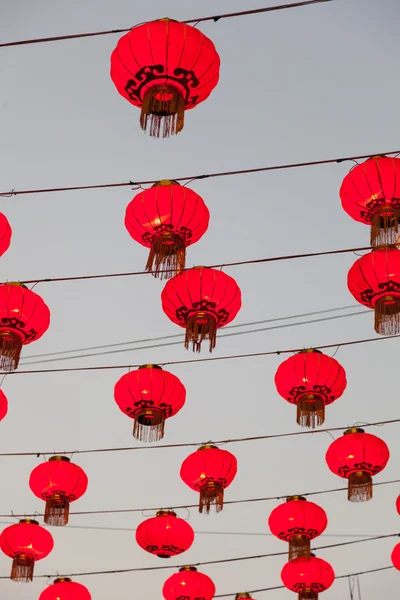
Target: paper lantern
point(3, 405)
point(298, 521)
point(25, 542)
point(396, 557)
point(308, 579)
point(24, 318)
point(149, 395)
point(201, 300)
point(188, 584)
point(58, 482)
point(5, 234)
point(165, 68)
point(165, 535)
point(64, 588)
point(310, 380)
point(357, 456)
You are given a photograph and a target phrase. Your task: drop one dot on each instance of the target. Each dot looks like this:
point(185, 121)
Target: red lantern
point(188, 584)
point(58, 482)
point(308, 579)
point(165, 535)
point(396, 557)
point(5, 234)
point(374, 281)
point(64, 588)
point(164, 67)
point(209, 471)
point(24, 318)
point(398, 504)
point(25, 542)
point(201, 300)
point(298, 522)
point(310, 380)
point(149, 396)
point(370, 194)
point(3, 405)
point(167, 218)
point(357, 456)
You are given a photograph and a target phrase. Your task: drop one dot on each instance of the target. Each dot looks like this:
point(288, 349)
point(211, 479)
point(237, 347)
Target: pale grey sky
point(296, 85)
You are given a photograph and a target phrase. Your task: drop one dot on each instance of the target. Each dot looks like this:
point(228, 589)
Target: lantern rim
point(187, 568)
point(165, 513)
point(242, 595)
point(60, 458)
point(165, 183)
point(309, 350)
point(28, 521)
point(62, 580)
point(296, 499)
point(207, 447)
point(353, 430)
point(150, 366)
point(16, 283)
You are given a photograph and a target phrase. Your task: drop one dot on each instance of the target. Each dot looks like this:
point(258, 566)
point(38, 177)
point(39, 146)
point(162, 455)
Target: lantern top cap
point(150, 366)
point(15, 283)
point(29, 521)
point(206, 447)
point(167, 19)
point(165, 183)
point(309, 350)
point(187, 568)
point(296, 498)
point(60, 458)
point(353, 430)
point(62, 580)
point(165, 513)
point(242, 595)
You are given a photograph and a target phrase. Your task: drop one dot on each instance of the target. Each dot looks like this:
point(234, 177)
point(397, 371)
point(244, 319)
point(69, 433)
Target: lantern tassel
point(199, 327)
point(385, 228)
point(299, 548)
point(167, 254)
point(149, 425)
point(387, 315)
point(22, 568)
point(10, 350)
point(163, 105)
point(360, 487)
point(308, 594)
point(211, 494)
point(57, 510)
point(310, 411)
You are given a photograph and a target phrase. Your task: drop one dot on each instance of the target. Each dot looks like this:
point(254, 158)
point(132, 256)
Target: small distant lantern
point(165, 535)
point(63, 588)
point(188, 584)
point(308, 579)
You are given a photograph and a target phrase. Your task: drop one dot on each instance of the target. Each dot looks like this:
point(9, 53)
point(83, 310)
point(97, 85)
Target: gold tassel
point(310, 411)
point(57, 511)
point(387, 315)
point(167, 254)
point(199, 327)
point(163, 104)
point(308, 594)
point(10, 350)
point(385, 227)
point(149, 425)
point(211, 494)
point(360, 487)
point(22, 568)
point(299, 548)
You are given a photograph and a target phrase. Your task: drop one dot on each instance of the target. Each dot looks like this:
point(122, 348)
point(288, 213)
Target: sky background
point(297, 85)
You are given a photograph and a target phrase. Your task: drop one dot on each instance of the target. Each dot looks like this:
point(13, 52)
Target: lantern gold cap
point(165, 513)
point(187, 569)
point(60, 458)
point(150, 366)
point(295, 498)
point(15, 283)
point(242, 595)
point(309, 350)
point(62, 580)
point(29, 521)
point(206, 447)
point(353, 430)
point(165, 182)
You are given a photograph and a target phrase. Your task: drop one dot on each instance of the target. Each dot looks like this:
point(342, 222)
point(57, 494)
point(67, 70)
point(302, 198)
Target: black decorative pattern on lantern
point(184, 313)
point(322, 391)
point(184, 232)
point(25, 554)
point(184, 79)
point(161, 549)
point(315, 586)
point(143, 404)
point(376, 205)
point(62, 493)
point(14, 323)
point(388, 287)
point(287, 535)
point(345, 470)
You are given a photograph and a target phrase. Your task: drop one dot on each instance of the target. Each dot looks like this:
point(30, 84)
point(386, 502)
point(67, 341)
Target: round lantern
point(5, 234)
point(398, 504)
point(3, 405)
point(357, 456)
point(298, 522)
point(58, 482)
point(64, 588)
point(188, 584)
point(149, 395)
point(396, 557)
point(167, 218)
point(165, 535)
point(370, 194)
point(24, 318)
point(209, 471)
point(310, 380)
point(25, 542)
point(201, 300)
point(308, 579)
point(374, 281)
point(164, 67)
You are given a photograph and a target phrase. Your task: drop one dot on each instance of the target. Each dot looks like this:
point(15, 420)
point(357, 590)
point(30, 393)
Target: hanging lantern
point(25, 542)
point(167, 218)
point(370, 194)
point(3, 405)
point(201, 300)
point(209, 471)
point(310, 380)
point(165, 535)
point(188, 584)
point(396, 557)
point(374, 281)
point(5, 234)
point(308, 579)
point(398, 504)
point(24, 318)
point(165, 68)
point(358, 456)
point(149, 395)
point(298, 521)
point(64, 588)
point(58, 482)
